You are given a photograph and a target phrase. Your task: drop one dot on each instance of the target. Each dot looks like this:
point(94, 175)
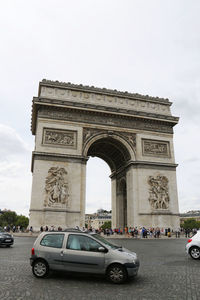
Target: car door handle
point(61, 253)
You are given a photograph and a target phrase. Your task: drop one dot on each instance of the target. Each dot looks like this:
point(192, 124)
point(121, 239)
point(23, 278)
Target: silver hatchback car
point(77, 251)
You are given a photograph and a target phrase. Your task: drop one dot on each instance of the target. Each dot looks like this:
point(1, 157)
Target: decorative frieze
point(155, 148)
point(158, 192)
point(108, 119)
point(58, 137)
point(80, 87)
point(56, 188)
point(128, 100)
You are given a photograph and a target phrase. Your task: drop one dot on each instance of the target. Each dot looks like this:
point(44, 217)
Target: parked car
point(6, 238)
point(77, 251)
point(193, 246)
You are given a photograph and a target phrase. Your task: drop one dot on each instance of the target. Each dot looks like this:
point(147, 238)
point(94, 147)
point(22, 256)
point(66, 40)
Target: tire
point(40, 268)
point(195, 252)
point(117, 274)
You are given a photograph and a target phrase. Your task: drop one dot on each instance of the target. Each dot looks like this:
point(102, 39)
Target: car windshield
point(107, 243)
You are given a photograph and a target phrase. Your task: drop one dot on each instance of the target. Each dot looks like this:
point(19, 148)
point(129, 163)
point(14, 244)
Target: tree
point(106, 225)
point(191, 223)
point(8, 218)
point(11, 218)
point(22, 221)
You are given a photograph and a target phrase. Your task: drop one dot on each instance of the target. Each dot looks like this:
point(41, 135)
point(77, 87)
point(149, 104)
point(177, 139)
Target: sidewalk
point(162, 237)
point(113, 236)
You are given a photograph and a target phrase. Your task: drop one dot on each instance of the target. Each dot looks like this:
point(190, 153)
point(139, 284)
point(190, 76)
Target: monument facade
point(132, 133)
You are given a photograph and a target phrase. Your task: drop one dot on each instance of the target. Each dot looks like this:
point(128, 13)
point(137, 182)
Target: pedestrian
point(158, 232)
point(52, 228)
point(126, 231)
point(136, 232)
point(31, 230)
point(132, 232)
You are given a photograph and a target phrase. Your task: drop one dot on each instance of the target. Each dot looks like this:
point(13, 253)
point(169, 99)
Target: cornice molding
point(147, 122)
point(57, 157)
point(70, 104)
point(145, 165)
point(54, 210)
point(167, 213)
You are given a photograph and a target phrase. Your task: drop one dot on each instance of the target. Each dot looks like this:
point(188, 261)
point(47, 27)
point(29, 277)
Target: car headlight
point(135, 259)
point(134, 256)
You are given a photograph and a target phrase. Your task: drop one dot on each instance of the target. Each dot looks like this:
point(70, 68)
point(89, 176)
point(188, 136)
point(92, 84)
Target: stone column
point(82, 195)
point(114, 203)
point(132, 196)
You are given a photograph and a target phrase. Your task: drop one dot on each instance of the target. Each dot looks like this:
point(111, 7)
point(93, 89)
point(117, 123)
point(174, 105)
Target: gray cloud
point(147, 47)
point(11, 143)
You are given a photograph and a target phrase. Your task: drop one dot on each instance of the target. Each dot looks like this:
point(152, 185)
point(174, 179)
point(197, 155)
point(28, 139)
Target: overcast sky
point(148, 47)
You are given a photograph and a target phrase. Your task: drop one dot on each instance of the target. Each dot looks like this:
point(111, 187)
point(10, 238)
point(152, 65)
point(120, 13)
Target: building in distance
point(96, 220)
point(192, 214)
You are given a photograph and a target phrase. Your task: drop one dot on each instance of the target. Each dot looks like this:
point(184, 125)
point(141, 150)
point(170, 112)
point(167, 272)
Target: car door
point(82, 255)
point(51, 247)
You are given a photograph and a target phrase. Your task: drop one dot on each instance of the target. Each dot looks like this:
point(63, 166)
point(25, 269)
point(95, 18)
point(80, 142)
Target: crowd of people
point(14, 228)
point(134, 232)
point(143, 232)
point(130, 232)
point(51, 228)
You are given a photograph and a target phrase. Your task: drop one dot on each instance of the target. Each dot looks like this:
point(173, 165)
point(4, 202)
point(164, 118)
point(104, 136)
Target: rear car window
point(52, 240)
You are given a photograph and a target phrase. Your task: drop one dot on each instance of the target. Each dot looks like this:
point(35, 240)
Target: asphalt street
point(166, 272)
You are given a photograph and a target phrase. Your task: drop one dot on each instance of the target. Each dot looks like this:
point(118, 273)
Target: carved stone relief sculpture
point(158, 192)
point(56, 187)
point(64, 138)
point(155, 148)
point(91, 132)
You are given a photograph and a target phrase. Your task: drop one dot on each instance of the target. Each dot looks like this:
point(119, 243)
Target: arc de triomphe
point(131, 132)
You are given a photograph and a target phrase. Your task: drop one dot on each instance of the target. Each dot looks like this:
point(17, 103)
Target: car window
point(81, 242)
point(52, 240)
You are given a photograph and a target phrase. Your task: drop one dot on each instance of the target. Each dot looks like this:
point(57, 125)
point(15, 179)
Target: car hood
point(126, 252)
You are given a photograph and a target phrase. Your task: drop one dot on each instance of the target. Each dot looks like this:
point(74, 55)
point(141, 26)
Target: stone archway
point(117, 153)
point(131, 132)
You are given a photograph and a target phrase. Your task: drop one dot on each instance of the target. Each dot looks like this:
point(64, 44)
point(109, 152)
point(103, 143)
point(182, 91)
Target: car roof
point(72, 230)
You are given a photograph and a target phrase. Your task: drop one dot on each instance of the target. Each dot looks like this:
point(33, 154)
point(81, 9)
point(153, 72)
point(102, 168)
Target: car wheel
point(117, 274)
point(195, 252)
point(40, 268)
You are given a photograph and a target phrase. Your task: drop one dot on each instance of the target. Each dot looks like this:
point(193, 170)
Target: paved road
point(165, 273)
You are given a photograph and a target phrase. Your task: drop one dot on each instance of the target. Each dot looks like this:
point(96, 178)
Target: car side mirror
point(102, 249)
